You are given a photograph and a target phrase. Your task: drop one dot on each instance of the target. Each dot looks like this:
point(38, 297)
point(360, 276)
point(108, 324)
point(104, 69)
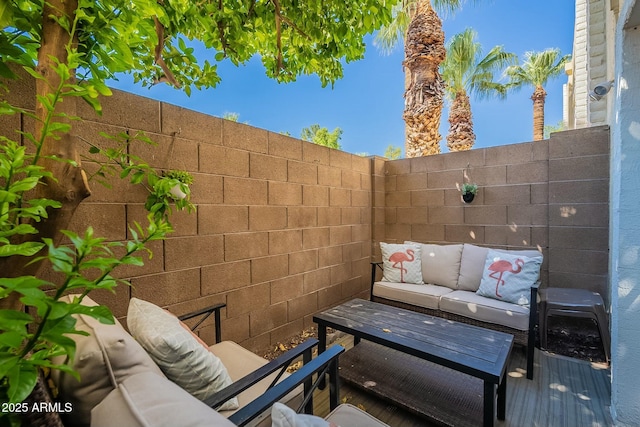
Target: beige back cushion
point(472, 264)
point(103, 359)
point(440, 264)
point(148, 400)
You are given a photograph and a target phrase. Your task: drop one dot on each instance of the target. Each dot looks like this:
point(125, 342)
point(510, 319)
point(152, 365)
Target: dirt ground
point(572, 337)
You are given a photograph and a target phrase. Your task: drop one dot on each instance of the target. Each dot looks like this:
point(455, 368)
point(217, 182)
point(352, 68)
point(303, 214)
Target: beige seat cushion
point(240, 362)
point(149, 400)
point(427, 296)
point(104, 358)
point(348, 415)
point(440, 264)
point(469, 304)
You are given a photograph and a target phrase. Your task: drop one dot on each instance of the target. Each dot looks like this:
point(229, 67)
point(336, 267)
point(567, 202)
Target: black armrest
point(207, 312)
point(326, 362)
point(373, 275)
point(280, 363)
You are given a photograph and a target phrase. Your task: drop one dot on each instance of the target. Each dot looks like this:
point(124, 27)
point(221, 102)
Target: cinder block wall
point(282, 228)
point(550, 195)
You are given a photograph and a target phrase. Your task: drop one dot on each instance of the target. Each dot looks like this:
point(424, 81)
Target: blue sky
point(367, 103)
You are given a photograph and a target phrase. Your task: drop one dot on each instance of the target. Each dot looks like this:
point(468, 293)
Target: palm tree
point(538, 68)
point(466, 72)
point(418, 23)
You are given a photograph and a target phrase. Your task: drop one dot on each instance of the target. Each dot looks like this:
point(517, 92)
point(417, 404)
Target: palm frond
point(389, 36)
point(466, 68)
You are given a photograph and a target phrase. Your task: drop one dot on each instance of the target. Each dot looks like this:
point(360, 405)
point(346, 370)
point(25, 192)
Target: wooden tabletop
point(482, 353)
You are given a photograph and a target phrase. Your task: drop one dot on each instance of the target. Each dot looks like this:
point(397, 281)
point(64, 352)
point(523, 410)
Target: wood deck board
point(565, 392)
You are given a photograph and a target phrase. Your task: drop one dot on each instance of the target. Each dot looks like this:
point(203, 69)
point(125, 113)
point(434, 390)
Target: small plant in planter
point(184, 179)
point(171, 187)
point(468, 191)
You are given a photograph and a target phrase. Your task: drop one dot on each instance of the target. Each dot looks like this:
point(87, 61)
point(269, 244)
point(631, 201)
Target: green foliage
point(537, 68)
point(549, 129)
point(465, 69)
point(183, 177)
point(468, 187)
point(392, 152)
point(234, 117)
point(322, 136)
point(290, 39)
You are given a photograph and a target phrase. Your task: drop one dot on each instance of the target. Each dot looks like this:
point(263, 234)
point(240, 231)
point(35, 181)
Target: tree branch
point(168, 75)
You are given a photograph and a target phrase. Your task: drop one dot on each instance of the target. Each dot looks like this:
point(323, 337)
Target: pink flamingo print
point(399, 258)
point(502, 266)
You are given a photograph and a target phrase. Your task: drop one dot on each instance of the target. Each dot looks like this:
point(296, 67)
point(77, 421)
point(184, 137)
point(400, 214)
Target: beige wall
point(282, 227)
point(285, 228)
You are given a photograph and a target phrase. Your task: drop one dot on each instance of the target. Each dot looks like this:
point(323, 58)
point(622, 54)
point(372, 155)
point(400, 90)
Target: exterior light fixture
point(600, 90)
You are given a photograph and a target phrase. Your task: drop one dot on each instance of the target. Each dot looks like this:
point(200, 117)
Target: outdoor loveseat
point(445, 281)
point(124, 381)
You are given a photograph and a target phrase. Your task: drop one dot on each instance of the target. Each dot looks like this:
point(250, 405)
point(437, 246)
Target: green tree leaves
point(322, 136)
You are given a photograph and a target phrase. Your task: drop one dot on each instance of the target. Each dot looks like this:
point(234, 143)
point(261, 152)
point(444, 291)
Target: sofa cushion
point(401, 263)
point(105, 357)
point(283, 416)
point(240, 362)
point(427, 296)
point(347, 415)
point(182, 358)
point(509, 277)
point(473, 306)
point(472, 264)
point(441, 264)
point(149, 400)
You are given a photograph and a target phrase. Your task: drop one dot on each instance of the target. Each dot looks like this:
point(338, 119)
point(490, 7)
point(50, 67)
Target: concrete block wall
point(549, 195)
point(282, 227)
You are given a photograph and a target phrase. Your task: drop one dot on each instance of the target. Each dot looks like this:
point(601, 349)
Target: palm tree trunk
point(424, 51)
point(461, 136)
point(538, 98)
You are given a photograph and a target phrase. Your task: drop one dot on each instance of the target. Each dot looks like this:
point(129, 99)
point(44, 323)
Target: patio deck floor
point(564, 392)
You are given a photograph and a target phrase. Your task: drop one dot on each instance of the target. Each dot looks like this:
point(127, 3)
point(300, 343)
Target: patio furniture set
point(438, 349)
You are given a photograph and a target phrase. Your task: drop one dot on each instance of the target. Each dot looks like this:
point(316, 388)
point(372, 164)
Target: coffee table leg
point(322, 346)
point(489, 403)
point(322, 338)
point(502, 398)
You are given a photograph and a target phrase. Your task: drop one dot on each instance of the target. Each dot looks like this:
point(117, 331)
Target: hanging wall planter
point(468, 191)
point(184, 178)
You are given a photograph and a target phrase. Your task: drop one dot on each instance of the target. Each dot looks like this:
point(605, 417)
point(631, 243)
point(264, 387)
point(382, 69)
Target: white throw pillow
point(183, 359)
point(401, 263)
point(283, 416)
point(509, 277)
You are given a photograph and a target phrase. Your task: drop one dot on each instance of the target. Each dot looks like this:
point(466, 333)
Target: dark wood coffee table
point(461, 348)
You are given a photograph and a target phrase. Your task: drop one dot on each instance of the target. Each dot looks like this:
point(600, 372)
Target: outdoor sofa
point(126, 382)
point(446, 282)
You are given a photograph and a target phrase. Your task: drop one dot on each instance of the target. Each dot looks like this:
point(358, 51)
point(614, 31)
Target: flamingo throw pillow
point(402, 263)
point(509, 277)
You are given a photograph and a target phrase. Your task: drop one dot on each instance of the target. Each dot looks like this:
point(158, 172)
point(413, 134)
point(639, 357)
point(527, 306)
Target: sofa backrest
point(458, 266)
